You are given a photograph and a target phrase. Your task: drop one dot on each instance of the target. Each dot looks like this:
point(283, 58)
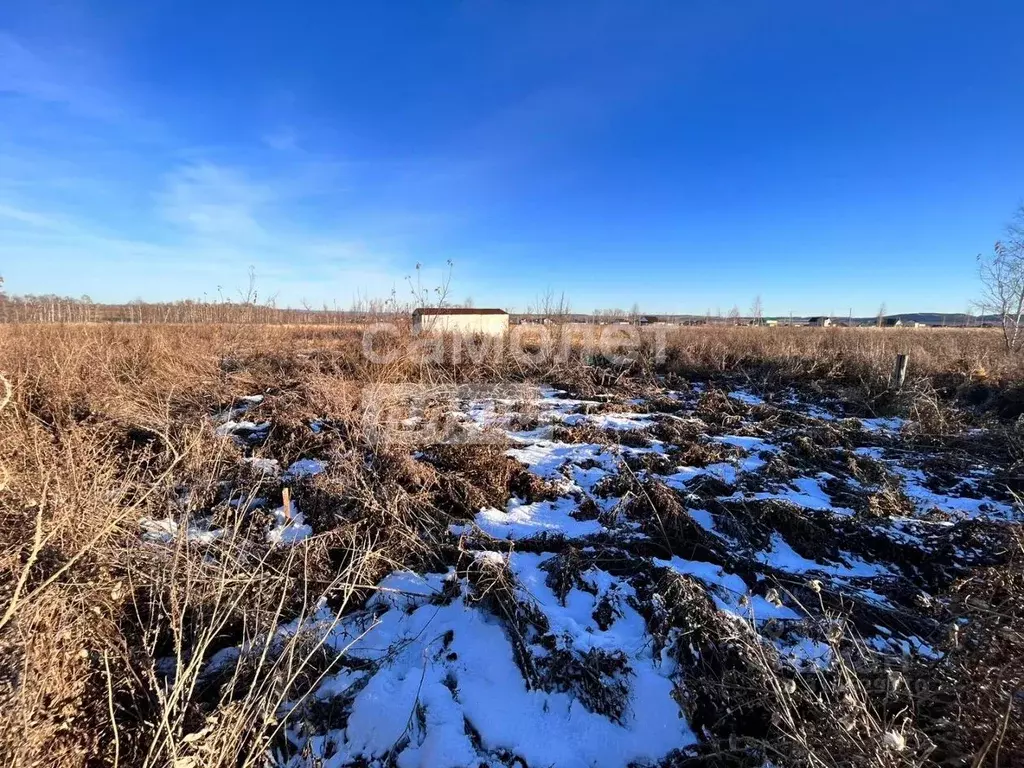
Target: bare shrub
point(1002, 277)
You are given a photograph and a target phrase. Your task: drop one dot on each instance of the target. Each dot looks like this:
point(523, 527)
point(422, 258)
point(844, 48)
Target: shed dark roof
point(458, 311)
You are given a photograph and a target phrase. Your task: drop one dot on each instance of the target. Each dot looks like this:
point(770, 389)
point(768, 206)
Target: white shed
point(460, 320)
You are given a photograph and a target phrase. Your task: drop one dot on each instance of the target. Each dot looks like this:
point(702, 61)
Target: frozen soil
point(650, 581)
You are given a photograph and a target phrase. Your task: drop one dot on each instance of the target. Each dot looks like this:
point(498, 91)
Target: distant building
point(893, 322)
point(459, 320)
point(820, 322)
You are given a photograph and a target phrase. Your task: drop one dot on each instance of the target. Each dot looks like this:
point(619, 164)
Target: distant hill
point(928, 318)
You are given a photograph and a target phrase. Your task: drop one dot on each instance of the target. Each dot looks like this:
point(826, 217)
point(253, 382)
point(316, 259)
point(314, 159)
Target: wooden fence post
point(286, 497)
point(899, 371)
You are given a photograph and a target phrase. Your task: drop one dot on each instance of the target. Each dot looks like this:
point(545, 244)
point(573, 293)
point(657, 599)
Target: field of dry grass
point(155, 610)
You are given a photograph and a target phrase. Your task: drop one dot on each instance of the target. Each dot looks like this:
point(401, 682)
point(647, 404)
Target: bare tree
point(424, 296)
point(551, 308)
point(756, 310)
point(250, 295)
point(1002, 280)
point(734, 316)
point(880, 320)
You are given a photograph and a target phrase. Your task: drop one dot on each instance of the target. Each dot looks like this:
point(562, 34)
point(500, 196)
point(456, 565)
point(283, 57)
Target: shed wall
point(489, 324)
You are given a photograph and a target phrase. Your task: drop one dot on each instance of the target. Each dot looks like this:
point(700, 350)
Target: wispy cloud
point(59, 76)
point(209, 223)
point(90, 205)
point(216, 203)
point(284, 140)
point(30, 218)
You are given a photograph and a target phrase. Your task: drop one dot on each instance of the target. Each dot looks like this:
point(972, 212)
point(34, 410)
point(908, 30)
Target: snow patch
point(522, 520)
point(287, 530)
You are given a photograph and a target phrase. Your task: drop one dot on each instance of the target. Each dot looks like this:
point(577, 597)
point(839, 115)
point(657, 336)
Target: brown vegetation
point(105, 641)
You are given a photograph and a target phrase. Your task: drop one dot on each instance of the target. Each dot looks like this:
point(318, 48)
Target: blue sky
point(679, 155)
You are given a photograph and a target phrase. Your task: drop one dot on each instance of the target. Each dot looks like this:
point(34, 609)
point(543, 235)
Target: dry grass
point(104, 639)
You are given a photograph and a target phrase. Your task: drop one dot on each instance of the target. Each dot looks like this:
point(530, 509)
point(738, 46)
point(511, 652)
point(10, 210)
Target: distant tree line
point(65, 309)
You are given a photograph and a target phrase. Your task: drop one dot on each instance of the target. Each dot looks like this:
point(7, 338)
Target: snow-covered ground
point(776, 525)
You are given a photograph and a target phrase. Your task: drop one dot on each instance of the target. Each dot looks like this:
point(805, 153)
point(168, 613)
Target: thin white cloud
point(96, 200)
point(24, 73)
point(215, 202)
point(31, 218)
point(66, 77)
point(284, 140)
point(224, 209)
point(210, 223)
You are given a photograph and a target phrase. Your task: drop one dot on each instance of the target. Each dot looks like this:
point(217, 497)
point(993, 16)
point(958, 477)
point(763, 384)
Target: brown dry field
point(105, 425)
